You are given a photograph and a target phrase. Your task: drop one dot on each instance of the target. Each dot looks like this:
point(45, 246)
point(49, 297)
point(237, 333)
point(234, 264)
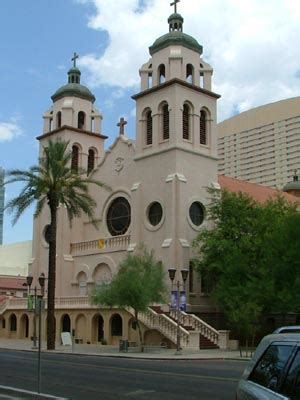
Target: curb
point(139, 357)
point(27, 393)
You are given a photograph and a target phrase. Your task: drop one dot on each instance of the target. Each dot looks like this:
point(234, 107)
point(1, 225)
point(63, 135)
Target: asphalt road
point(87, 377)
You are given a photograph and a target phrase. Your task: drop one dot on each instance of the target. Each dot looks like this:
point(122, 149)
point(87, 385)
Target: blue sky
point(251, 47)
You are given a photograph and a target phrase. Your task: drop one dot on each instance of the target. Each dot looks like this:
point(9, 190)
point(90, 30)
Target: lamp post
point(29, 280)
point(38, 302)
point(184, 275)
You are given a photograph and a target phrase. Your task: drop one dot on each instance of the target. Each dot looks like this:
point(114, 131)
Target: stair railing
point(197, 324)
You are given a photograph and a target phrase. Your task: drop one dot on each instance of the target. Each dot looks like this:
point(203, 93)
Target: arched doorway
point(100, 329)
point(13, 325)
point(116, 325)
point(97, 328)
point(66, 323)
point(81, 328)
point(24, 332)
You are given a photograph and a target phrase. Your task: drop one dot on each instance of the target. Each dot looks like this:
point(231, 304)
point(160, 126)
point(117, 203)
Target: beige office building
point(262, 145)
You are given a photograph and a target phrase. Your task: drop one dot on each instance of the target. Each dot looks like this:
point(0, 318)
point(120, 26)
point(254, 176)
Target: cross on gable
point(175, 5)
point(74, 59)
point(121, 124)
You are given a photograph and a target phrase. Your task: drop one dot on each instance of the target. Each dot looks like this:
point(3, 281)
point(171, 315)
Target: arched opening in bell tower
point(91, 161)
point(190, 73)
point(203, 127)
point(81, 120)
point(75, 158)
point(186, 124)
point(149, 127)
point(161, 74)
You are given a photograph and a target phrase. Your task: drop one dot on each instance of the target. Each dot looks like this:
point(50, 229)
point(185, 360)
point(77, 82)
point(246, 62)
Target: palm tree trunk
point(51, 323)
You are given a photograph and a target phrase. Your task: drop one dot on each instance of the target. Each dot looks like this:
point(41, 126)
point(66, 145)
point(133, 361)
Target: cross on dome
point(74, 59)
point(175, 5)
point(121, 125)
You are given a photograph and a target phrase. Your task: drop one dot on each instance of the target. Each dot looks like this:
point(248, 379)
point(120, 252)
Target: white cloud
point(251, 44)
point(10, 130)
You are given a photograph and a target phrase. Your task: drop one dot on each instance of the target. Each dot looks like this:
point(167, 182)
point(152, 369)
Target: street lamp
point(33, 306)
point(184, 275)
point(38, 302)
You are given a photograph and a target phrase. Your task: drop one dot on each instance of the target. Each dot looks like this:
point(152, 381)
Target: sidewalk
point(113, 351)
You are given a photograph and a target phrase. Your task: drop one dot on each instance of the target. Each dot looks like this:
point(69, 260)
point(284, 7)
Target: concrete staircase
point(194, 332)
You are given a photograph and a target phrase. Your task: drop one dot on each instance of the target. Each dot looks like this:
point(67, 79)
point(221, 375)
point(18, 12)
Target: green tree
point(53, 183)
point(139, 282)
point(282, 259)
point(236, 255)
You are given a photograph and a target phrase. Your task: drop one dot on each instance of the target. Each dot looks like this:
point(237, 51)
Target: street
point(87, 377)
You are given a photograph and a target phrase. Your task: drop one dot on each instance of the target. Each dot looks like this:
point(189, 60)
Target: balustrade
point(101, 245)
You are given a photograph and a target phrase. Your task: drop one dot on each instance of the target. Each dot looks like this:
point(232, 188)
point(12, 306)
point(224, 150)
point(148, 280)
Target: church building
point(158, 197)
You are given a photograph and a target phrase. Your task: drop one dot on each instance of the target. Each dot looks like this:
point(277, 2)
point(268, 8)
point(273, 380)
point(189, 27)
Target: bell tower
point(176, 106)
point(176, 148)
point(73, 117)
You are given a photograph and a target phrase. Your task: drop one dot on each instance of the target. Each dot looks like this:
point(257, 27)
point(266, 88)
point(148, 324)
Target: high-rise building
point(2, 192)
point(262, 145)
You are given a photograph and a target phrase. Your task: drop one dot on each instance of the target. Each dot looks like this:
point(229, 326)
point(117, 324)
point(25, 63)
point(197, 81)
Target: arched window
point(75, 158)
point(81, 120)
point(186, 122)
point(50, 124)
point(161, 74)
point(189, 73)
point(13, 323)
point(58, 120)
point(203, 127)
point(82, 282)
point(149, 127)
point(165, 122)
point(91, 161)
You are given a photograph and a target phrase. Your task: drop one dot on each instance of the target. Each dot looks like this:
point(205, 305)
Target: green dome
point(175, 38)
point(74, 90)
point(73, 87)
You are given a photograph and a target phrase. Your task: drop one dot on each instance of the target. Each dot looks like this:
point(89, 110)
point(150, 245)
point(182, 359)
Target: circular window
point(155, 213)
point(196, 213)
point(47, 234)
point(118, 216)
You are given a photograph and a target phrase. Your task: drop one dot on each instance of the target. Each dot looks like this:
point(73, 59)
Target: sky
point(253, 46)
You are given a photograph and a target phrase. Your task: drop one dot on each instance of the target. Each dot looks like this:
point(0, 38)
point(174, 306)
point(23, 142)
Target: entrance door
point(100, 329)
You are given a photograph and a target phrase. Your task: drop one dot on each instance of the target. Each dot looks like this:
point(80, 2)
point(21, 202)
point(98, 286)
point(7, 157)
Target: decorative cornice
point(173, 82)
point(64, 127)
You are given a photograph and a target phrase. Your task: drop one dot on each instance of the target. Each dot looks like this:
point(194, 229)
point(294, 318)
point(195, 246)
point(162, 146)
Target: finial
point(121, 124)
point(175, 5)
point(74, 59)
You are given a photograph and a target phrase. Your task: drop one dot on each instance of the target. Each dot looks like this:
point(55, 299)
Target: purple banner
point(174, 299)
point(182, 303)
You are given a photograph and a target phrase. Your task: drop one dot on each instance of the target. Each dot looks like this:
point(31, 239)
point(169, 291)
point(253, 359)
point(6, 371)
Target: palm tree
point(54, 183)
